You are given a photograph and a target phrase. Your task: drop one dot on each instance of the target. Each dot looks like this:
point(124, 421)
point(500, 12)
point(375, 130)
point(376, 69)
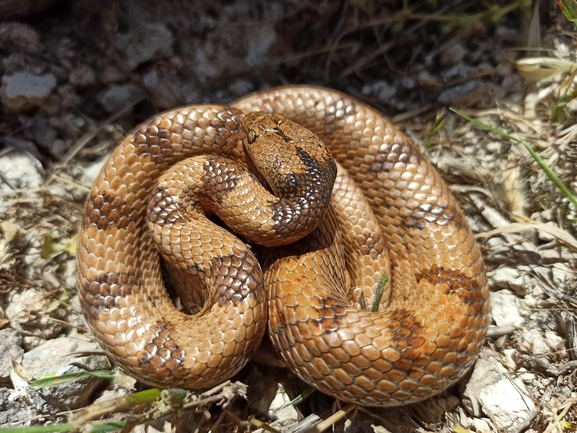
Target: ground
point(78, 74)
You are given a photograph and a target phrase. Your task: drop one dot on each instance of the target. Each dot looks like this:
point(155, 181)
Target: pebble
point(20, 172)
point(82, 76)
point(499, 395)
point(61, 353)
point(539, 343)
point(22, 91)
point(382, 89)
point(465, 94)
point(451, 53)
point(145, 42)
point(53, 357)
point(506, 309)
point(508, 278)
point(16, 36)
point(118, 96)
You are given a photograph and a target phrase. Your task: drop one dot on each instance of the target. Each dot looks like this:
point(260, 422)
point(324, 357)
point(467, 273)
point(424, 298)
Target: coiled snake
point(431, 322)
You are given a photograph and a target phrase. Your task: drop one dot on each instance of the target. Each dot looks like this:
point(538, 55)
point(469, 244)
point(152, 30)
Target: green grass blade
point(55, 380)
point(379, 293)
point(542, 164)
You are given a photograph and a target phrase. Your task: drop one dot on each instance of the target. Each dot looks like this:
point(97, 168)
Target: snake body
point(390, 210)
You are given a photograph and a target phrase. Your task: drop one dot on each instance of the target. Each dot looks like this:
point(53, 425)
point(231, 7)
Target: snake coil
point(390, 212)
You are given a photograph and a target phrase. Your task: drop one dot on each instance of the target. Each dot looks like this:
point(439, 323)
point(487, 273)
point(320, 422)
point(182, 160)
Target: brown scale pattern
point(430, 324)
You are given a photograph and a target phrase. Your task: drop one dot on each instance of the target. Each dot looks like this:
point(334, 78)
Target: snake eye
point(251, 137)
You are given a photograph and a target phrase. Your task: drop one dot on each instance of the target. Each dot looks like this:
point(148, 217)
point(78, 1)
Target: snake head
point(286, 154)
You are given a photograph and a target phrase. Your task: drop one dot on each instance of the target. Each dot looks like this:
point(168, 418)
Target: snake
point(338, 197)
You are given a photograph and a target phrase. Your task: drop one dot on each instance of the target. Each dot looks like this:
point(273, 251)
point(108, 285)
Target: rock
point(501, 396)
point(118, 96)
point(145, 42)
point(280, 407)
point(506, 309)
point(381, 89)
point(111, 74)
point(23, 405)
point(451, 53)
point(540, 344)
point(482, 426)
point(467, 94)
point(20, 171)
point(508, 278)
point(22, 91)
point(20, 37)
point(56, 357)
point(82, 76)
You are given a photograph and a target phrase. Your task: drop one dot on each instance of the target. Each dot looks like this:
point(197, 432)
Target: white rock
point(537, 343)
point(508, 278)
point(505, 308)
point(502, 397)
point(22, 91)
point(20, 171)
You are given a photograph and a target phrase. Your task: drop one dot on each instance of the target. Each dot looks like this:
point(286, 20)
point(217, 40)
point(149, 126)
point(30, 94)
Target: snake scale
point(390, 213)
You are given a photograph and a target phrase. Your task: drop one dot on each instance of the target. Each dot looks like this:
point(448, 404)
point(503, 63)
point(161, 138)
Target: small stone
point(111, 74)
point(482, 426)
point(508, 278)
point(82, 76)
point(458, 71)
point(451, 53)
point(20, 171)
point(466, 94)
point(505, 309)
point(533, 342)
point(118, 96)
point(381, 89)
point(495, 147)
point(501, 396)
point(407, 82)
point(22, 91)
point(20, 37)
point(145, 42)
point(57, 357)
